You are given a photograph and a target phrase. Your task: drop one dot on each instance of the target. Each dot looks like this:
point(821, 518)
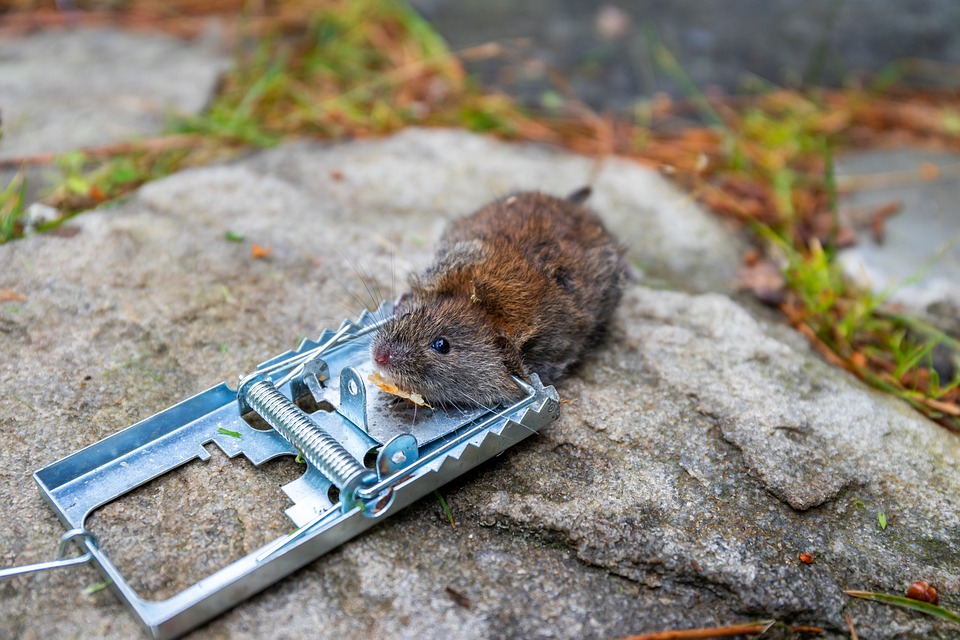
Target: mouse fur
point(523, 285)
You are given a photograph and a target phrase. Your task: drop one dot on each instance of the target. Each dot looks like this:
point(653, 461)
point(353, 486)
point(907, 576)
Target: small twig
point(752, 628)
point(853, 632)
point(802, 628)
point(925, 173)
point(949, 408)
point(161, 143)
point(822, 347)
point(483, 51)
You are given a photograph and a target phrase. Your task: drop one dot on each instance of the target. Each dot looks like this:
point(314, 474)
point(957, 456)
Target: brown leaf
point(97, 193)
point(764, 280)
point(259, 252)
point(9, 295)
point(459, 598)
point(878, 219)
point(942, 407)
point(929, 171)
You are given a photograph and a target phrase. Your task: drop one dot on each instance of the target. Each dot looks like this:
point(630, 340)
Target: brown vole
point(523, 285)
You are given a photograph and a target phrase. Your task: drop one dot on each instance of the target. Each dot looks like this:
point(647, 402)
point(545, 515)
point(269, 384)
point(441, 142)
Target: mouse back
point(523, 285)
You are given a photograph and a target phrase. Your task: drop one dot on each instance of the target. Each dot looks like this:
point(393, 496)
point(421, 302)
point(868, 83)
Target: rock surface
point(917, 258)
point(62, 90)
point(65, 89)
point(701, 452)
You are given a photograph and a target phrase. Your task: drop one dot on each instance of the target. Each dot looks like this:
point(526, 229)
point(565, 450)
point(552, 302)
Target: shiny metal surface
point(319, 448)
point(60, 562)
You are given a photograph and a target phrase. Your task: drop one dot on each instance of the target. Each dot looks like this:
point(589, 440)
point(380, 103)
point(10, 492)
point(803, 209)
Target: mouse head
point(447, 352)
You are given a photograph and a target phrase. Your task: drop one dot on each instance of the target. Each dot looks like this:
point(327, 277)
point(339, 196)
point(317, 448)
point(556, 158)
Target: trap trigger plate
point(349, 424)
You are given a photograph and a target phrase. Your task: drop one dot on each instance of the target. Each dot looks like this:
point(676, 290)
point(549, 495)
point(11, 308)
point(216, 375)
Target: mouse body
point(523, 285)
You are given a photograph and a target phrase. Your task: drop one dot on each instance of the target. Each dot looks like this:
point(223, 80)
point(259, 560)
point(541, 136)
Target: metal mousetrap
point(314, 401)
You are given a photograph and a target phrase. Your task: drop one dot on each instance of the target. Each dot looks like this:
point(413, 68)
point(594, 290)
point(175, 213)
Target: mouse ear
point(511, 355)
point(580, 195)
point(451, 261)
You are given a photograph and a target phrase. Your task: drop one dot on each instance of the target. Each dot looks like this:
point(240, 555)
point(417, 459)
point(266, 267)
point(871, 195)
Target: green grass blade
point(97, 587)
point(669, 65)
point(830, 184)
point(11, 206)
point(445, 507)
point(907, 603)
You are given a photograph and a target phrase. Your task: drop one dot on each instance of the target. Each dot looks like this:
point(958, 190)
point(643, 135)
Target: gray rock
point(669, 238)
point(701, 451)
point(65, 89)
point(918, 262)
point(62, 90)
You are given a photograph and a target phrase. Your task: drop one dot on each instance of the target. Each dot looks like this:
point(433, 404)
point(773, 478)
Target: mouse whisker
point(393, 274)
point(475, 402)
point(532, 431)
point(370, 284)
point(351, 311)
point(491, 409)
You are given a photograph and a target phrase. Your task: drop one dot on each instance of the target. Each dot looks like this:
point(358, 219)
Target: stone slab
point(65, 89)
point(699, 452)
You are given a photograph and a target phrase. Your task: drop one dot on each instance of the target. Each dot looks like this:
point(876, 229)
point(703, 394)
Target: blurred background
point(826, 131)
point(606, 50)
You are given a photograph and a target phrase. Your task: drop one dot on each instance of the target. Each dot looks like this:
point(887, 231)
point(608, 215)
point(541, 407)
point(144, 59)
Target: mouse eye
point(441, 345)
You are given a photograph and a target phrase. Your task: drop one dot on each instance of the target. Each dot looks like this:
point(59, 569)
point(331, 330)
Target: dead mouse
point(523, 285)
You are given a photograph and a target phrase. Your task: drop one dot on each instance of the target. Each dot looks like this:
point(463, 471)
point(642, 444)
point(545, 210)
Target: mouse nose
point(381, 355)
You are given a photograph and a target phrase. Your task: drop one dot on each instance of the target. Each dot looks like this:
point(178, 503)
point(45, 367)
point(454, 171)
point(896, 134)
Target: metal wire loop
point(77, 535)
